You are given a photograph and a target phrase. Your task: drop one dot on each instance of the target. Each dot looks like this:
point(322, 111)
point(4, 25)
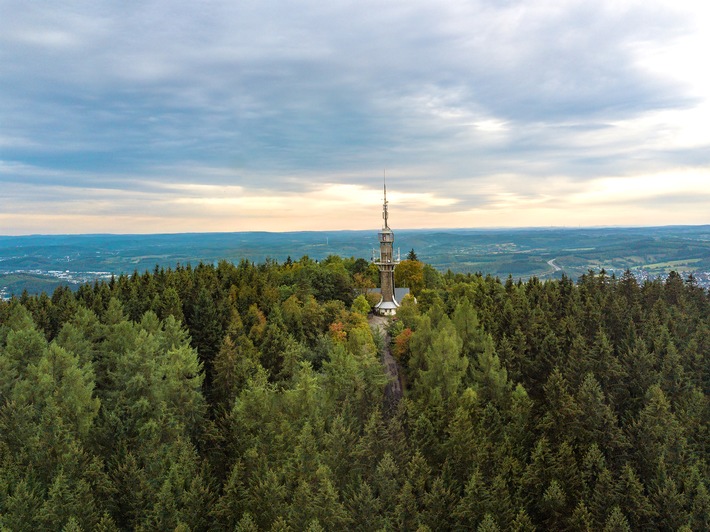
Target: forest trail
point(393, 390)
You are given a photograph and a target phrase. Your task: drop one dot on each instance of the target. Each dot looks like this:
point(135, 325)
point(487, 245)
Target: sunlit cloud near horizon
point(160, 117)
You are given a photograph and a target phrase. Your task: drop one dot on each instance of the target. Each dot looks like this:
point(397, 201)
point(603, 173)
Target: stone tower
point(386, 264)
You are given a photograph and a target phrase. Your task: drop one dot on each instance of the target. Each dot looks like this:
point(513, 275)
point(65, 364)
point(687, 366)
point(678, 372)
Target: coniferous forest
point(252, 397)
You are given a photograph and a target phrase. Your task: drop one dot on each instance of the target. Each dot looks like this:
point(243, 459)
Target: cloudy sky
point(173, 116)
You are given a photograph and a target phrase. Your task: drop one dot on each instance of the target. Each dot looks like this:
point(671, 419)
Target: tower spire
point(384, 206)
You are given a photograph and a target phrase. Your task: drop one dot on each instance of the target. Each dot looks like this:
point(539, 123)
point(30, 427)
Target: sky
point(184, 116)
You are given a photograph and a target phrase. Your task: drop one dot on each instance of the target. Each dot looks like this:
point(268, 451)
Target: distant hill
point(42, 262)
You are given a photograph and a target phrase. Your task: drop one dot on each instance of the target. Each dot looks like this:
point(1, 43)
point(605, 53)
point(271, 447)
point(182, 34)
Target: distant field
point(673, 264)
point(26, 262)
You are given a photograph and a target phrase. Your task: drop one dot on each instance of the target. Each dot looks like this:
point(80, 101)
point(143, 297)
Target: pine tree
point(318, 501)
point(21, 506)
point(246, 524)
point(206, 331)
point(488, 525)
point(597, 422)
point(499, 502)
point(561, 418)
point(232, 502)
point(386, 482)
point(657, 435)
point(700, 508)
point(364, 509)
point(616, 522)
point(667, 499)
point(407, 509)
point(445, 368)
point(537, 473)
point(581, 519)
point(236, 362)
point(461, 444)
point(266, 498)
point(68, 501)
point(553, 502)
point(522, 522)
point(633, 501)
point(438, 505)
point(566, 471)
point(470, 508)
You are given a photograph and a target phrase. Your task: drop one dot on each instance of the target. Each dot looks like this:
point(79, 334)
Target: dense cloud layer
point(484, 113)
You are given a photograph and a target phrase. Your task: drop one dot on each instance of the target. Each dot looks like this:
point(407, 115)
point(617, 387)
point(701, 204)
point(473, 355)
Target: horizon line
point(482, 229)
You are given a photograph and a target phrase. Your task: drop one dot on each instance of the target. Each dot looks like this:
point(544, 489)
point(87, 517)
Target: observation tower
point(386, 263)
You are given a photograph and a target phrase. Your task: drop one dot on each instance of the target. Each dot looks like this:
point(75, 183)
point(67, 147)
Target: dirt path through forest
point(393, 390)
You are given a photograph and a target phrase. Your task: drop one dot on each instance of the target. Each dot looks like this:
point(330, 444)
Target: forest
point(251, 397)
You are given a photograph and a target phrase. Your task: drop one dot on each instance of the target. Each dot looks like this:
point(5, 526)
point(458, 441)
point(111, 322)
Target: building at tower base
point(390, 308)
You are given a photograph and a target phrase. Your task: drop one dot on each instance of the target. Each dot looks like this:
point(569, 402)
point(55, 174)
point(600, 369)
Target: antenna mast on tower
point(384, 206)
